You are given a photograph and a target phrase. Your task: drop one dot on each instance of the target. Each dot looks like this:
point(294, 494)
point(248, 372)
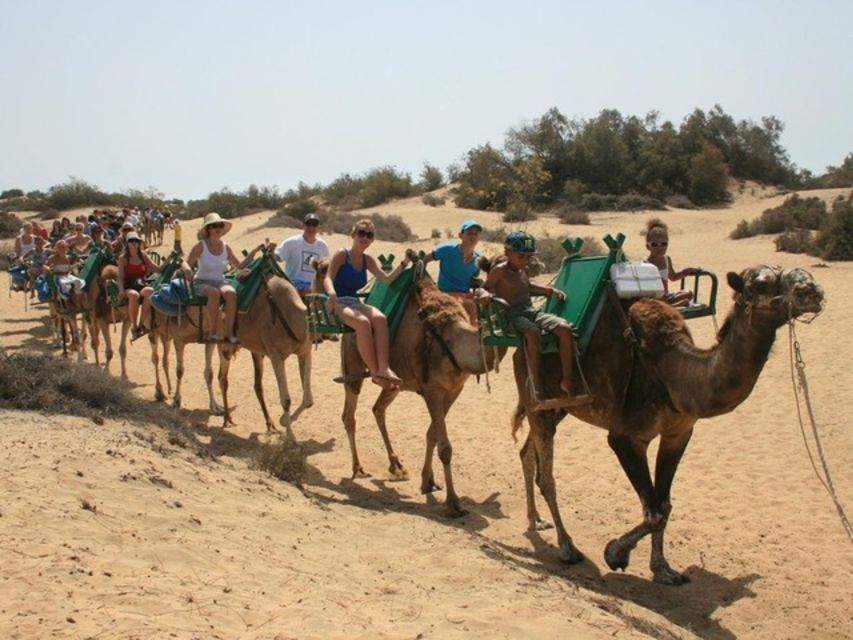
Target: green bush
point(834, 241)
point(11, 193)
point(76, 193)
point(384, 184)
point(794, 213)
point(431, 178)
point(390, 228)
point(709, 176)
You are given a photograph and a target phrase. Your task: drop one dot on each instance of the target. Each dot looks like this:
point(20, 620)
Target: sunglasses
point(216, 225)
point(658, 244)
point(132, 241)
point(364, 233)
point(312, 223)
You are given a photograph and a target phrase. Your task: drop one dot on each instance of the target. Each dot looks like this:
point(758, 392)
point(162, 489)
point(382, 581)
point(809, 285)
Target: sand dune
point(174, 545)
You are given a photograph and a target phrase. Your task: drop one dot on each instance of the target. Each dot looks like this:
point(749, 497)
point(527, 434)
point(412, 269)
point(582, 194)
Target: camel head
point(321, 267)
point(774, 294)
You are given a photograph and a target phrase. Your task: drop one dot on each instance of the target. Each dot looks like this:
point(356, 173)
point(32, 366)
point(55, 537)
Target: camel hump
point(657, 325)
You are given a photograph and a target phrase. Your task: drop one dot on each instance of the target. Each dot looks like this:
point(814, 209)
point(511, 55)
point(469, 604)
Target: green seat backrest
point(391, 299)
point(91, 267)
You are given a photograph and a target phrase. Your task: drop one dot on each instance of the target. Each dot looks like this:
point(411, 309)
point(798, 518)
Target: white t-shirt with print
point(297, 255)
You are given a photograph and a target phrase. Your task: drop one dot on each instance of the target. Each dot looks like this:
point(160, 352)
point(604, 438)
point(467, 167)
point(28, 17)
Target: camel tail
point(517, 420)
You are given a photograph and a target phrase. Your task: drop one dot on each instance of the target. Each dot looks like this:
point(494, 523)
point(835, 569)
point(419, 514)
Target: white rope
point(800, 384)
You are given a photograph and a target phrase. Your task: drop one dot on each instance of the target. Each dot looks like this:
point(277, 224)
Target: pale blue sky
point(192, 96)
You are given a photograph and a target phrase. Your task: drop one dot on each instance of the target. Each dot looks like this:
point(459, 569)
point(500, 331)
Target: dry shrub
point(432, 200)
point(796, 241)
point(38, 382)
point(680, 201)
point(572, 215)
point(285, 461)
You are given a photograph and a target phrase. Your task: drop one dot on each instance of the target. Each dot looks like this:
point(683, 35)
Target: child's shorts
point(526, 318)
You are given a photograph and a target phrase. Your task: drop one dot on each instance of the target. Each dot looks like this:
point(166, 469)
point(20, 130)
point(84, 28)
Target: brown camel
point(660, 387)
point(275, 326)
point(435, 351)
point(103, 315)
point(180, 331)
point(153, 231)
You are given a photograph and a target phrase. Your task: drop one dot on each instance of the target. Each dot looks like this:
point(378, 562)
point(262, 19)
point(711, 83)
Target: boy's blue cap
point(470, 224)
point(520, 242)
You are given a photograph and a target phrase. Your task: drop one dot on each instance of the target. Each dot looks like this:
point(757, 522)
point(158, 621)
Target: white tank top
point(26, 247)
point(212, 267)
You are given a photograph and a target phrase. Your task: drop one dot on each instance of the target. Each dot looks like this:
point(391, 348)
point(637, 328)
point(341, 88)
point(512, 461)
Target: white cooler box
point(636, 280)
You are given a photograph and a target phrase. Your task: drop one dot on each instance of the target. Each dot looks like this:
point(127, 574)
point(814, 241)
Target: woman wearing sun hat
point(211, 257)
point(134, 266)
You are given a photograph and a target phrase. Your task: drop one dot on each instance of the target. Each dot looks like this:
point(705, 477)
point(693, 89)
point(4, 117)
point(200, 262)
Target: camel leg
point(284, 397)
point(214, 407)
point(437, 404)
point(122, 349)
point(428, 483)
point(258, 366)
point(528, 467)
point(179, 373)
point(94, 330)
point(669, 455)
point(632, 456)
point(351, 392)
point(303, 357)
point(224, 366)
point(542, 429)
point(386, 397)
point(76, 339)
point(155, 360)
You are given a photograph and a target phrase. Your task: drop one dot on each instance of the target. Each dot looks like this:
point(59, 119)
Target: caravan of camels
point(633, 367)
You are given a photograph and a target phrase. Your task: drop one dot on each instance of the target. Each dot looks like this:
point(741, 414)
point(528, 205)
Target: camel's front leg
point(669, 455)
point(258, 366)
point(632, 456)
point(437, 405)
point(303, 356)
point(542, 429)
point(155, 360)
point(94, 330)
point(428, 483)
point(385, 398)
point(225, 356)
point(214, 407)
point(122, 348)
point(179, 373)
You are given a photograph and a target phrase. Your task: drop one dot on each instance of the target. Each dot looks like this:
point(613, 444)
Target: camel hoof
point(228, 423)
point(176, 403)
point(360, 473)
point(569, 554)
point(429, 487)
point(398, 474)
point(669, 576)
point(159, 396)
point(538, 524)
point(617, 555)
point(271, 428)
point(455, 511)
point(216, 410)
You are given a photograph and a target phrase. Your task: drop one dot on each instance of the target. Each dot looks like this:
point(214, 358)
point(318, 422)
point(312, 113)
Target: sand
point(113, 531)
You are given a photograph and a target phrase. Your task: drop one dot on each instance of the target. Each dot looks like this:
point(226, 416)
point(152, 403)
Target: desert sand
point(119, 531)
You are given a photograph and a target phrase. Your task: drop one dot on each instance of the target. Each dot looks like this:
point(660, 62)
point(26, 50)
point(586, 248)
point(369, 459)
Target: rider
point(298, 251)
point(458, 266)
point(134, 266)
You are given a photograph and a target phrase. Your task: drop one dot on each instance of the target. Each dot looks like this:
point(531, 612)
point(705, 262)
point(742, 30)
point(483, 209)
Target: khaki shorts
point(524, 319)
point(204, 287)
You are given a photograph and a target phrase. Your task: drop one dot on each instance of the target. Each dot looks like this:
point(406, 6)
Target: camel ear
point(735, 281)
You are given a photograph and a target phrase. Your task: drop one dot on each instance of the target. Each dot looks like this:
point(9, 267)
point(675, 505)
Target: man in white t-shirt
point(297, 252)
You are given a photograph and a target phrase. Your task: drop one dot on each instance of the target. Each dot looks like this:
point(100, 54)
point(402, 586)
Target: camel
point(659, 385)
point(103, 315)
point(435, 351)
point(180, 331)
point(153, 231)
point(275, 326)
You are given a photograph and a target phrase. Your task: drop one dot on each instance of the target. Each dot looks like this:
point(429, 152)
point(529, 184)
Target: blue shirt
point(454, 274)
point(348, 280)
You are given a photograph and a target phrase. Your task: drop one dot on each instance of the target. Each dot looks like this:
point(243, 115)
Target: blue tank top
point(348, 280)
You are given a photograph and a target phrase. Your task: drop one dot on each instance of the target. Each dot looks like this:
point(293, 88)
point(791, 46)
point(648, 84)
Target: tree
point(431, 178)
point(708, 176)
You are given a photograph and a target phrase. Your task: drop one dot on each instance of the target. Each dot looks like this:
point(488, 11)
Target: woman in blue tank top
point(346, 275)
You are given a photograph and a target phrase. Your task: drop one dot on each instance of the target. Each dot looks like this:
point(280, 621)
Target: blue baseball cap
point(470, 224)
point(520, 242)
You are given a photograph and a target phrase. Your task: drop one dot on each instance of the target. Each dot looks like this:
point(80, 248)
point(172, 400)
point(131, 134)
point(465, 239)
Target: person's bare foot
point(382, 381)
point(390, 375)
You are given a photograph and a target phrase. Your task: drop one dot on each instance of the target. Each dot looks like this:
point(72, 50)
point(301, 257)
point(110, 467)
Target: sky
point(193, 96)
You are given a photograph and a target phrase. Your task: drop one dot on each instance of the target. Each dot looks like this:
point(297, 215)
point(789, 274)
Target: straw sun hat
point(214, 218)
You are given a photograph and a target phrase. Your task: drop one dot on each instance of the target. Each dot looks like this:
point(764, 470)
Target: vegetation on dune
point(39, 382)
point(594, 164)
point(805, 226)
